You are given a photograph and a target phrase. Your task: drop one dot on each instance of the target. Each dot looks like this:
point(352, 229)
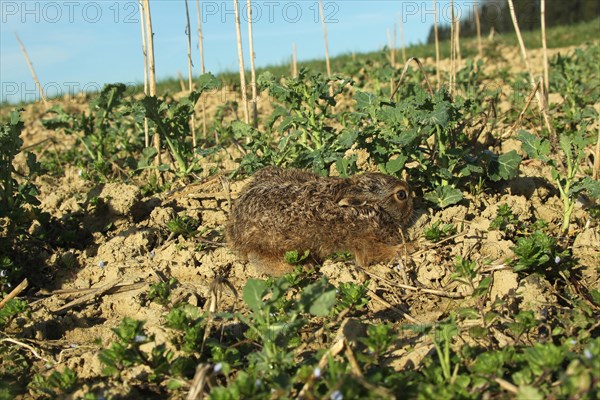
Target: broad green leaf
point(509, 164)
point(365, 100)
point(444, 196)
point(146, 157)
point(595, 295)
point(589, 185)
point(527, 392)
point(483, 286)
point(441, 114)
point(208, 82)
point(505, 166)
point(346, 166)
point(241, 130)
point(318, 298)
point(489, 363)
point(395, 165)
point(253, 293)
point(534, 146)
point(347, 138)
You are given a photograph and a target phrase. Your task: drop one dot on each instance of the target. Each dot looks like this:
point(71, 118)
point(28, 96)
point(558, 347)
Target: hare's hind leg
point(376, 252)
point(269, 265)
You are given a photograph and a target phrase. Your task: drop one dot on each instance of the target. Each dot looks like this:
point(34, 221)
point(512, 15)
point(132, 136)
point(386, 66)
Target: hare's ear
point(351, 201)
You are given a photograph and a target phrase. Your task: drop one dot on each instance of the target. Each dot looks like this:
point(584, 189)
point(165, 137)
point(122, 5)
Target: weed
point(184, 226)
point(437, 231)
point(567, 177)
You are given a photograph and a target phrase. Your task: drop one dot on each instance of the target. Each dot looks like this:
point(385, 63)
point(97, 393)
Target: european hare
point(289, 209)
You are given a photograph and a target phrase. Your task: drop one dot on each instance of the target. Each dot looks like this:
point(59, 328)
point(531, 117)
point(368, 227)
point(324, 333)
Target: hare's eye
point(401, 195)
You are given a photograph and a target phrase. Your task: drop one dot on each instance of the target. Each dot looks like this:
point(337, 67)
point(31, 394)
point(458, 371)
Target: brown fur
point(289, 209)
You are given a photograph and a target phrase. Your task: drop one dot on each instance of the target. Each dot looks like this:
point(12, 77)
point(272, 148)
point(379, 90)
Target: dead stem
point(405, 70)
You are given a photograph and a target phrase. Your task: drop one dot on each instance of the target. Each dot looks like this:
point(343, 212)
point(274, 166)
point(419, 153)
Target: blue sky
point(77, 45)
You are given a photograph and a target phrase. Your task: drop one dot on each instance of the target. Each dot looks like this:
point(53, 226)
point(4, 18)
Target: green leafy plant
point(276, 328)
point(301, 125)
point(352, 296)
point(535, 251)
point(378, 341)
point(396, 134)
point(172, 121)
point(107, 134)
point(567, 177)
point(160, 292)
point(467, 273)
point(12, 194)
point(56, 384)
point(443, 335)
point(184, 226)
point(504, 218)
point(18, 202)
point(438, 231)
point(11, 309)
point(577, 80)
point(293, 257)
point(126, 353)
point(190, 322)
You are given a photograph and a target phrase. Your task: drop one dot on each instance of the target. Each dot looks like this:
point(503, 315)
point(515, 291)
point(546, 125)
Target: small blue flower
point(588, 354)
point(152, 254)
point(102, 264)
point(572, 342)
point(317, 373)
point(217, 368)
point(337, 395)
point(140, 338)
point(557, 260)
point(3, 273)
point(258, 383)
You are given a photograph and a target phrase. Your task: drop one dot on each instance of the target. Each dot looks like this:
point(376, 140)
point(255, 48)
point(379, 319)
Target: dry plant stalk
point(15, 292)
point(458, 53)
point(294, 61)
point(540, 98)
point(33, 350)
point(144, 52)
point(200, 38)
point(241, 61)
point(152, 76)
point(188, 31)
point(405, 70)
point(478, 27)
point(452, 50)
point(199, 382)
point(437, 45)
point(523, 111)
point(322, 13)
point(180, 79)
point(333, 351)
point(32, 70)
point(252, 69)
point(596, 170)
point(402, 42)
point(394, 42)
point(391, 47)
point(544, 50)
point(202, 69)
